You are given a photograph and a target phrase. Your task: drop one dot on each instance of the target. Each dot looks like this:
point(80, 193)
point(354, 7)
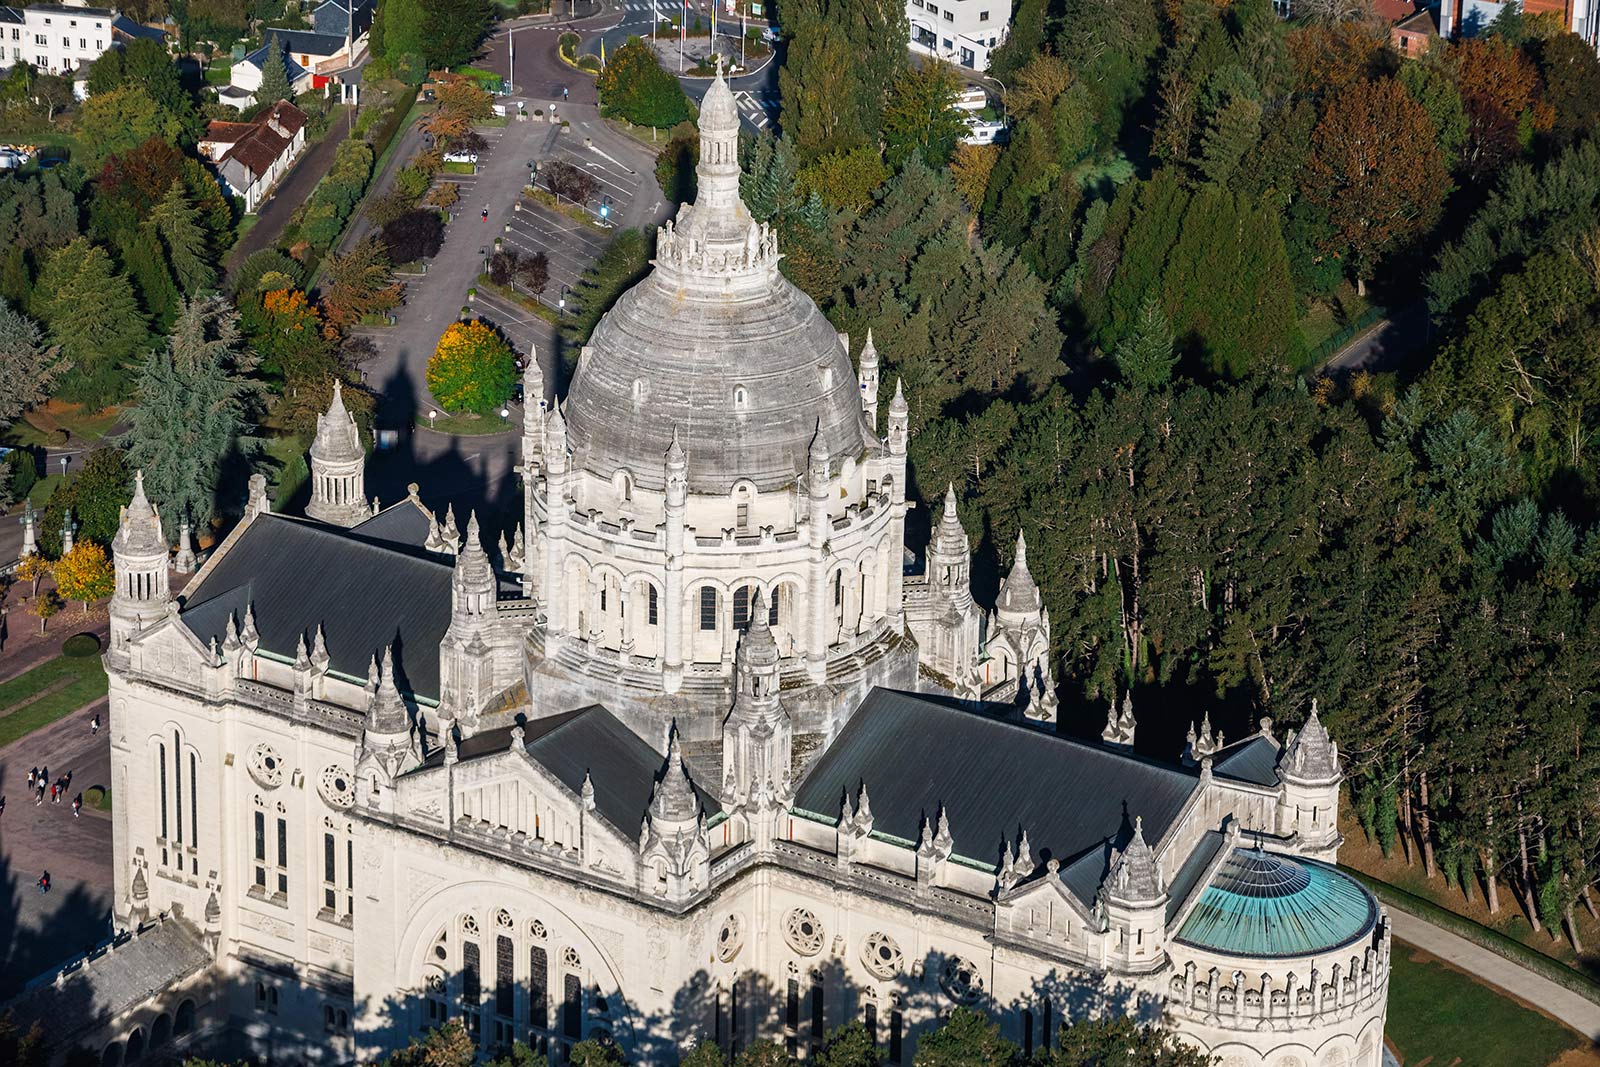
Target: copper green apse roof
point(1268, 905)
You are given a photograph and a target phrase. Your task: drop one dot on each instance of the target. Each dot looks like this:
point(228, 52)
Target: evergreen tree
point(1231, 131)
point(1146, 357)
point(274, 74)
point(177, 222)
point(842, 58)
point(28, 367)
point(147, 266)
point(193, 411)
point(92, 315)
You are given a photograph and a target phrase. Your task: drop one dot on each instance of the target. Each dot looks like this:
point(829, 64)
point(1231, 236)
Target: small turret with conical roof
point(950, 557)
point(867, 378)
point(139, 557)
point(337, 462)
point(674, 850)
point(1134, 899)
point(1019, 602)
point(466, 660)
point(388, 743)
point(1309, 774)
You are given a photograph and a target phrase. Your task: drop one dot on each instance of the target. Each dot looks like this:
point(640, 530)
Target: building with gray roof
point(689, 744)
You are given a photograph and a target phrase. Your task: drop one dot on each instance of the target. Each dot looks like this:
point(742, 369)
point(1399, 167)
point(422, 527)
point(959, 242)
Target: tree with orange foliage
point(1327, 58)
point(1376, 169)
point(85, 574)
point(290, 339)
point(1500, 89)
point(359, 283)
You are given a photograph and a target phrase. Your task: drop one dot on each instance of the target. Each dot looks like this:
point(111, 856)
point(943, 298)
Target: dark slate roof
point(994, 778)
point(364, 593)
point(333, 17)
point(588, 741)
point(1254, 760)
point(111, 980)
point(1188, 876)
point(77, 12)
point(304, 42)
point(129, 28)
point(295, 71)
point(11, 14)
point(402, 524)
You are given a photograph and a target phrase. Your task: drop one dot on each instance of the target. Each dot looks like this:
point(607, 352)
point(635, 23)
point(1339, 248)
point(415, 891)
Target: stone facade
point(610, 776)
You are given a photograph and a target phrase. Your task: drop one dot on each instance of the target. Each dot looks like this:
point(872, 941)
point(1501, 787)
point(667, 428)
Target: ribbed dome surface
point(1268, 905)
point(690, 352)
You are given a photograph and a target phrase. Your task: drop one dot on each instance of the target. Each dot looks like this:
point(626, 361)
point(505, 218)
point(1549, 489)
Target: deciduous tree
point(472, 369)
point(359, 283)
point(1376, 169)
point(85, 574)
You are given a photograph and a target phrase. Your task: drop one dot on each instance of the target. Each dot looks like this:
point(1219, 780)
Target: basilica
point(698, 751)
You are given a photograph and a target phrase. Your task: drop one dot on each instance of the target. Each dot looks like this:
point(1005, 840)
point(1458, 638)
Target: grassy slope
point(85, 681)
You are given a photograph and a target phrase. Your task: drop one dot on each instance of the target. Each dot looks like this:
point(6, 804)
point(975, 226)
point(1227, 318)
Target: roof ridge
point(344, 536)
point(1033, 731)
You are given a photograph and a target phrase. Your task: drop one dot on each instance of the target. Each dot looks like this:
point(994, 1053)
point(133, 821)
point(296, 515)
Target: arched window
point(622, 481)
point(112, 1056)
point(741, 398)
point(183, 1022)
point(135, 1046)
point(161, 1030)
point(641, 389)
point(743, 496)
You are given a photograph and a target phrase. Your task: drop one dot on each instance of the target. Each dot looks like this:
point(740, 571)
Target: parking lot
point(571, 246)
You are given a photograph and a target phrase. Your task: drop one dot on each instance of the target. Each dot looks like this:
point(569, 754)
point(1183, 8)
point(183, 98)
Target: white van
point(980, 132)
point(972, 98)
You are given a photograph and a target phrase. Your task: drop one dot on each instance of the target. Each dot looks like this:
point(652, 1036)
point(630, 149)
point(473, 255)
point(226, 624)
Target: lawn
point(219, 72)
point(460, 168)
point(76, 681)
point(43, 490)
point(465, 425)
point(1439, 1015)
point(41, 427)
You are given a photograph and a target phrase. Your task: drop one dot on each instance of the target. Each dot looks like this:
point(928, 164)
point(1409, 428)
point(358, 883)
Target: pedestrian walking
point(563, 92)
point(33, 776)
point(77, 805)
point(40, 798)
point(44, 774)
point(44, 882)
point(55, 792)
point(94, 724)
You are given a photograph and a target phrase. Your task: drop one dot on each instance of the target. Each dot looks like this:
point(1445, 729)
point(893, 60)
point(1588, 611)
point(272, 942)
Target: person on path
point(94, 724)
point(40, 798)
point(44, 774)
point(33, 776)
point(44, 882)
point(77, 805)
point(55, 792)
point(563, 92)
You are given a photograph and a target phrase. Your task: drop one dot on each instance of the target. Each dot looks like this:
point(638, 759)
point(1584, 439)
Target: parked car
point(981, 132)
point(772, 35)
point(461, 157)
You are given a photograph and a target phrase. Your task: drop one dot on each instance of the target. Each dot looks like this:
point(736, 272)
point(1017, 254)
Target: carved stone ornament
point(730, 939)
point(338, 786)
point(881, 955)
point(803, 932)
point(960, 980)
point(265, 766)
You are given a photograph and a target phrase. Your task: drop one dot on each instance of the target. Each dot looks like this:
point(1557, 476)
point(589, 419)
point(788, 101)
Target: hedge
point(1501, 945)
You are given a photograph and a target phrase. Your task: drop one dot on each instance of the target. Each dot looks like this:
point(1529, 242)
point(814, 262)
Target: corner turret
point(139, 558)
point(337, 461)
point(1308, 792)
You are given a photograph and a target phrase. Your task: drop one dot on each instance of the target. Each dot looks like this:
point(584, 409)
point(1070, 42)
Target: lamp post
point(561, 304)
point(505, 414)
point(432, 414)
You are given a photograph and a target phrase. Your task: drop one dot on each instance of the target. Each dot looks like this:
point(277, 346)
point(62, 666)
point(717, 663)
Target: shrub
point(445, 195)
point(24, 472)
point(472, 369)
point(564, 179)
point(412, 182)
point(569, 45)
point(415, 235)
point(81, 646)
point(97, 797)
point(533, 272)
point(389, 206)
point(675, 166)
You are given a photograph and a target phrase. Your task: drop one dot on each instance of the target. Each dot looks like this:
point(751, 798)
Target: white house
point(60, 38)
point(963, 32)
point(250, 157)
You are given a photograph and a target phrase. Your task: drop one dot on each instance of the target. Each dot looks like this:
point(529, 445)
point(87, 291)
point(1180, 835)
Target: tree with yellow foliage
point(84, 574)
point(471, 370)
point(32, 569)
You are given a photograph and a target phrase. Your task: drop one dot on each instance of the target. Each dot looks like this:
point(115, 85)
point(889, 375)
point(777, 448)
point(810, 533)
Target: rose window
point(881, 955)
point(803, 931)
point(730, 939)
point(266, 766)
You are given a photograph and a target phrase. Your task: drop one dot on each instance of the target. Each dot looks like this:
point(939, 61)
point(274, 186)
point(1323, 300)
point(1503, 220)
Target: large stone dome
point(716, 344)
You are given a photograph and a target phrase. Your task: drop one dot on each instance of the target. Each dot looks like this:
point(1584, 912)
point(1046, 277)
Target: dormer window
point(623, 482)
point(741, 398)
point(640, 389)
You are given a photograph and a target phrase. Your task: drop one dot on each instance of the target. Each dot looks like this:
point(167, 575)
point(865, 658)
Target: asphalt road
point(292, 191)
point(1387, 346)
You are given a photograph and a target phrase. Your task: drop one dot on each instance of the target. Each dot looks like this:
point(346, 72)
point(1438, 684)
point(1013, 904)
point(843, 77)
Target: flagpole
point(683, 34)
